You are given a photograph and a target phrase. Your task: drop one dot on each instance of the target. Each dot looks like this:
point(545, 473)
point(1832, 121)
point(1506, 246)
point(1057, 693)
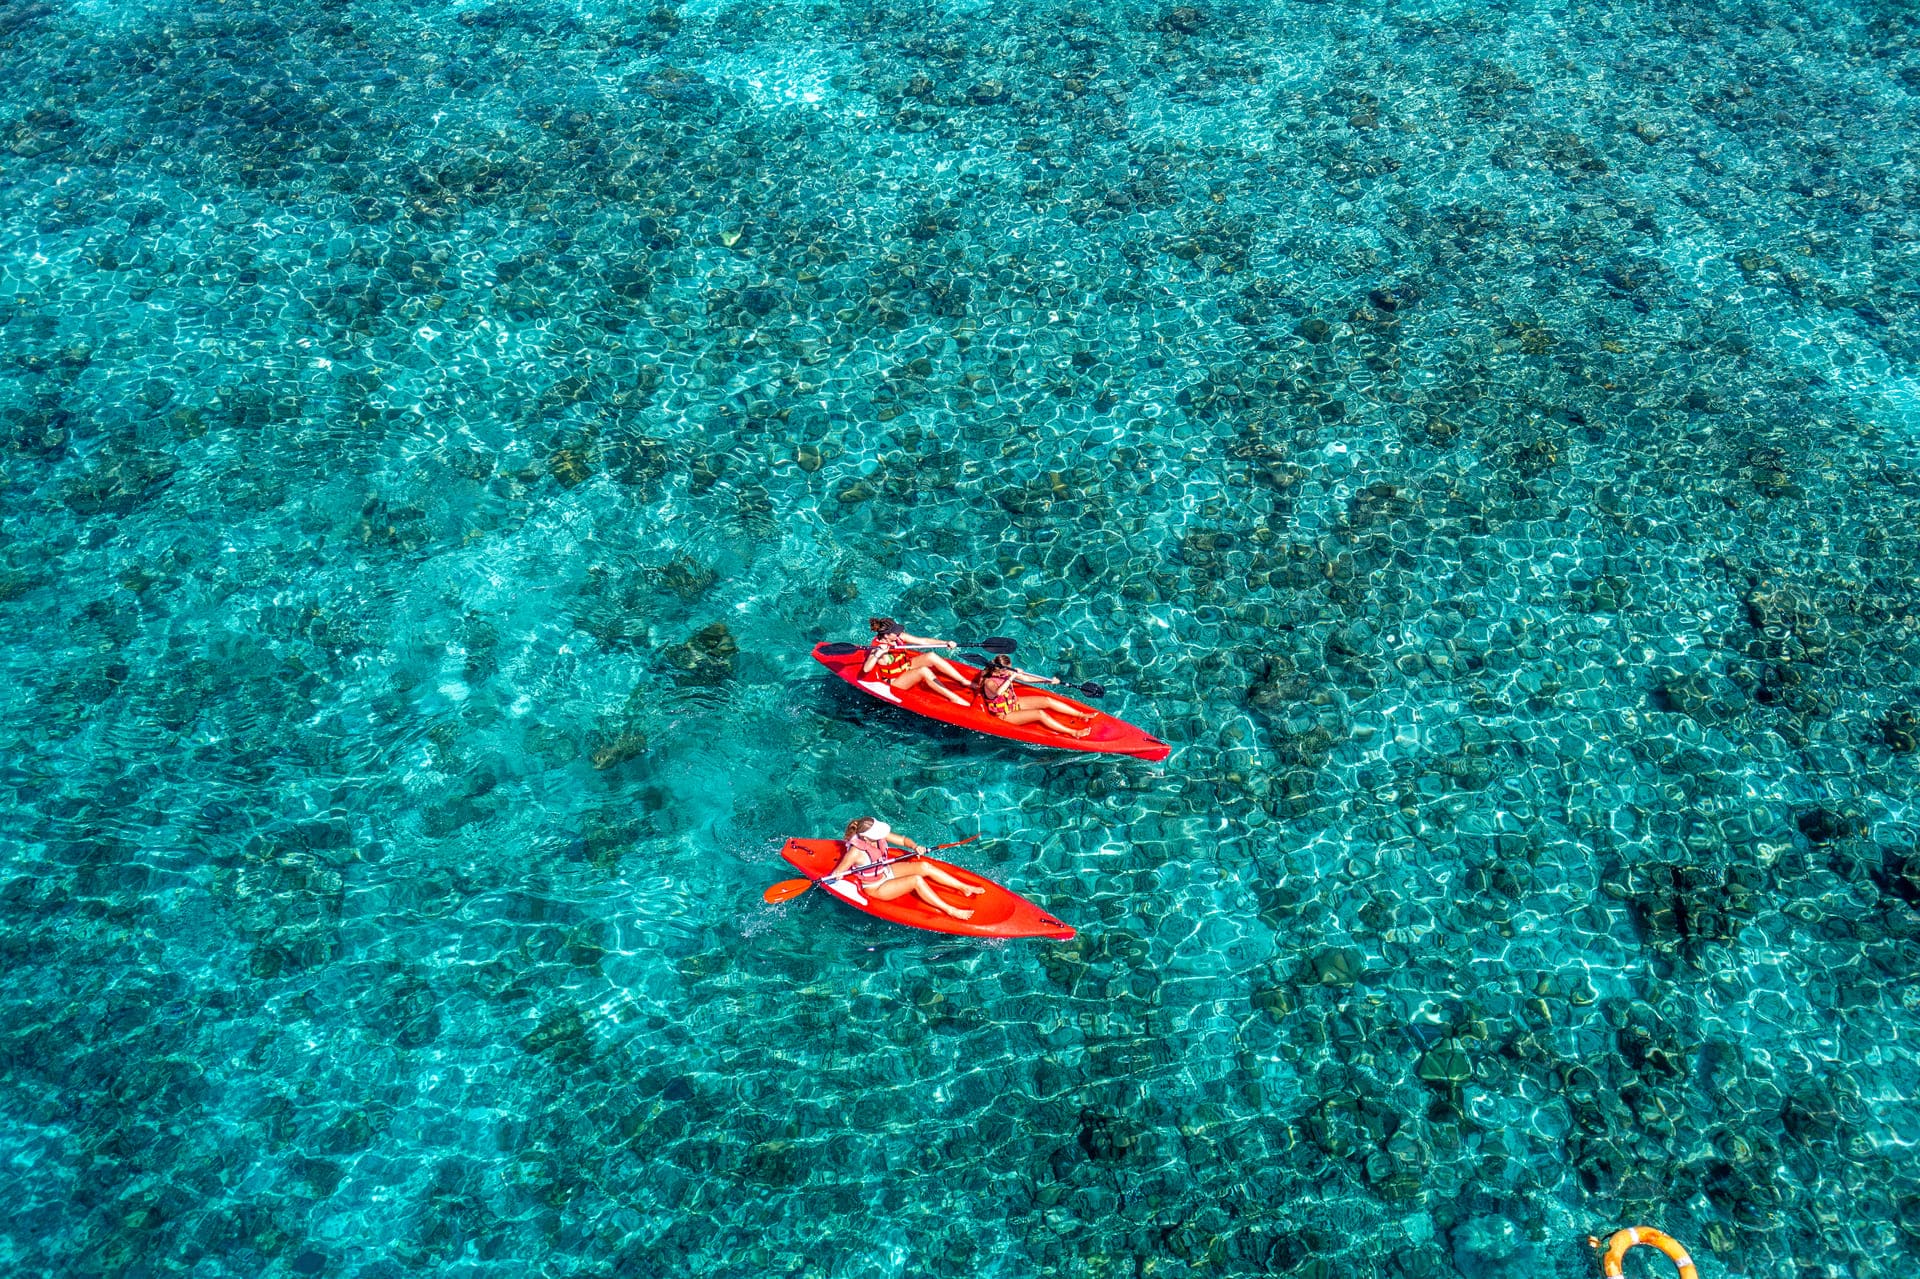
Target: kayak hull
point(1110, 736)
point(997, 912)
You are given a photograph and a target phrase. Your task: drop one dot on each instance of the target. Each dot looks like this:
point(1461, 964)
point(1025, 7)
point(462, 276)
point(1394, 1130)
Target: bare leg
point(901, 885)
point(927, 677)
point(942, 877)
point(923, 675)
point(1024, 716)
point(945, 667)
point(924, 891)
point(1055, 704)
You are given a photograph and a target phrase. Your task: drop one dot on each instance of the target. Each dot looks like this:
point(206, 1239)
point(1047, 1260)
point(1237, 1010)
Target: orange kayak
point(996, 912)
point(1110, 736)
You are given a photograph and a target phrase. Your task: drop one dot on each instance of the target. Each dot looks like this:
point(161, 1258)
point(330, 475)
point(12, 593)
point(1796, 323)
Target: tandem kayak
point(1110, 736)
point(996, 912)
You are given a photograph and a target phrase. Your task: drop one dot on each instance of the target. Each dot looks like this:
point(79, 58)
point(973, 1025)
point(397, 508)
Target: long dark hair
point(1001, 662)
point(884, 626)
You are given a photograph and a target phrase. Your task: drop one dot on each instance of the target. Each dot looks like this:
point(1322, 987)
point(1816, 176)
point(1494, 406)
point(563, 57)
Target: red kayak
point(1110, 736)
point(996, 912)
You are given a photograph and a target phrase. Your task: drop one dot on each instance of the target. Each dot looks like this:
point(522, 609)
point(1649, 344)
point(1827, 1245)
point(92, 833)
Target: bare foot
point(1085, 732)
point(959, 914)
point(971, 891)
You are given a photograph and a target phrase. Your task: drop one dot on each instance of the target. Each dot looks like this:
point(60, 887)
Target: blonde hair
point(857, 826)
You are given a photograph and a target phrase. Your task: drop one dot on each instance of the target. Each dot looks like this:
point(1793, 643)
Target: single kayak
point(1110, 736)
point(996, 912)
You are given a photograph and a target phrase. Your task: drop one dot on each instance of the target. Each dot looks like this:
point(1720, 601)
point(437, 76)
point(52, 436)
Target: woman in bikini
point(870, 842)
point(1003, 700)
point(891, 658)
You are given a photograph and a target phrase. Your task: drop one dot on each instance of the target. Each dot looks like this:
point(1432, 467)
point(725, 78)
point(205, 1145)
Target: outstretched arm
point(1030, 678)
point(921, 639)
point(901, 841)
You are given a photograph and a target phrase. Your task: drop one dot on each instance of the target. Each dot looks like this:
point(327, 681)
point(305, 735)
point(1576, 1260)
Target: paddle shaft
point(1090, 689)
point(993, 644)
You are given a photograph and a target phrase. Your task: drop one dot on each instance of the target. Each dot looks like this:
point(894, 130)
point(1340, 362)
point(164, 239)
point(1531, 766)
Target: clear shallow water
point(1481, 438)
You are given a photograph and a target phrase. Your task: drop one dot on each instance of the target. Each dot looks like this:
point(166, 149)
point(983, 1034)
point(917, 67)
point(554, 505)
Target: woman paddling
point(870, 842)
point(1003, 700)
point(891, 658)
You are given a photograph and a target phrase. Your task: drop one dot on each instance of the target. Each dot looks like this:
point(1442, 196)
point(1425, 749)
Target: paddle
point(993, 644)
point(788, 889)
point(1090, 689)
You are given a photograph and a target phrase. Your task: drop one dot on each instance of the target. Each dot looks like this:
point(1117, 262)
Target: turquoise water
point(1484, 439)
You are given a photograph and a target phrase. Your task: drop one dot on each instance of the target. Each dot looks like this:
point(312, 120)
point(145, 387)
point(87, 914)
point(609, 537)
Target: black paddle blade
point(839, 650)
point(997, 644)
point(1092, 689)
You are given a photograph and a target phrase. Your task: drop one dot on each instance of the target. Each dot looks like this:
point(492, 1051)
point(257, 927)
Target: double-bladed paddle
point(993, 644)
point(788, 889)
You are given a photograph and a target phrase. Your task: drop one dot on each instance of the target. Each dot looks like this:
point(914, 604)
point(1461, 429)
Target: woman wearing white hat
point(869, 862)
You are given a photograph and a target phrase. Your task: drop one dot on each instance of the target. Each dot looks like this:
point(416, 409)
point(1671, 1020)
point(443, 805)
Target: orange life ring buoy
point(1623, 1240)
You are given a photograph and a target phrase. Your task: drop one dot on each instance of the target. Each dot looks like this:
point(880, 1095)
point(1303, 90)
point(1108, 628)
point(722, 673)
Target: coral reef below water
point(1484, 439)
